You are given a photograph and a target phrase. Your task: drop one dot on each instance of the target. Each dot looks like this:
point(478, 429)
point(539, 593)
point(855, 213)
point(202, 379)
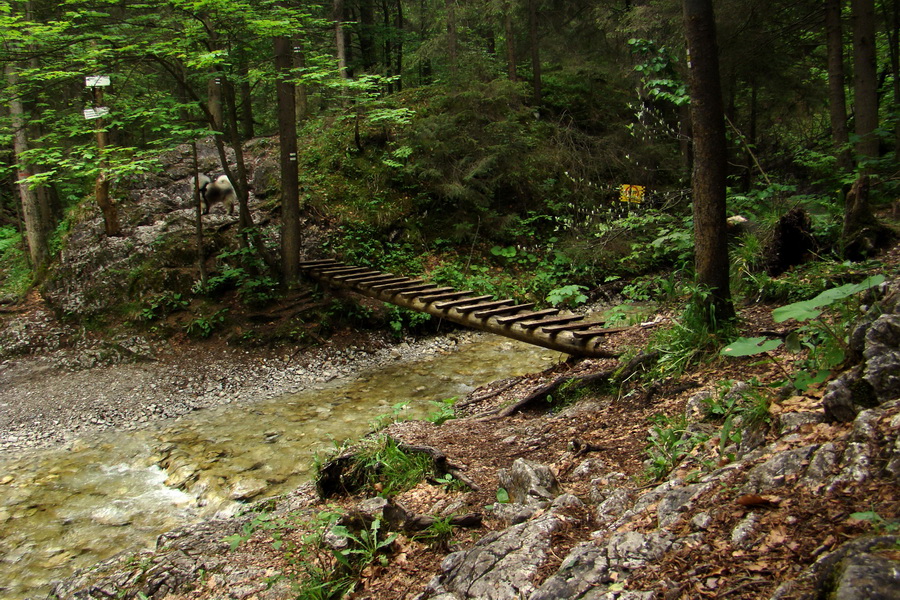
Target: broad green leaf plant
point(825, 341)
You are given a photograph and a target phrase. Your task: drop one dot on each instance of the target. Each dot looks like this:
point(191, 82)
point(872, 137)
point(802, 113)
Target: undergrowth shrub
point(15, 272)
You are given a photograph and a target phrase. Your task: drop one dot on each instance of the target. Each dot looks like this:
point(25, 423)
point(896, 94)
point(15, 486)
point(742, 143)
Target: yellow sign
point(631, 193)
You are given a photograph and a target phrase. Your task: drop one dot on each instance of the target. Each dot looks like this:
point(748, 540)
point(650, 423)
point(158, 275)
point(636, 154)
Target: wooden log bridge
point(545, 328)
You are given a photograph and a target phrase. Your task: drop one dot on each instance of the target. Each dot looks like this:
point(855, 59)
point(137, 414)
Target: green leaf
point(750, 346)
point(801, 311)
point(803, 379)
point(808, 309)
point(502, 496)
point(793, 343)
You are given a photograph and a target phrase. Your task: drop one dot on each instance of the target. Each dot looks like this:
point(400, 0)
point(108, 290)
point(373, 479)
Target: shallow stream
point(68, 508)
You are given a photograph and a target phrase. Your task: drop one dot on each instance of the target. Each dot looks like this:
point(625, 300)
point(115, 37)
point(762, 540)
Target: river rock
point(245, 489)
point(528, 482)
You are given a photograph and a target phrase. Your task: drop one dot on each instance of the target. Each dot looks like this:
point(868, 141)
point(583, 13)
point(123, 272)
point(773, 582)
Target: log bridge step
point(546, 328)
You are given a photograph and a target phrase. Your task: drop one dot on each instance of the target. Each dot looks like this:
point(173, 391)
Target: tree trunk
point(338, 18)
point(892, 26)
point(35, 231)
point(535, 52)
point(398, 25)
point(388, 46)
point(510, 42)
point(246, 97)
point(865, 77)
point(861, 233)
point(837, 100)
point(101, 186)
point(287, 135)
point(452, 39)
point(710, 157)
point(366, 29)
point(198, 219)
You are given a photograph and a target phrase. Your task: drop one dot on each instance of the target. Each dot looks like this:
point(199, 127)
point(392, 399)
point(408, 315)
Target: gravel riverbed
point(63, 390)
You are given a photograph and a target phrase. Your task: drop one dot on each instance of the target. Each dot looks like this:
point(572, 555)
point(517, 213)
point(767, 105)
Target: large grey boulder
point(502, 565)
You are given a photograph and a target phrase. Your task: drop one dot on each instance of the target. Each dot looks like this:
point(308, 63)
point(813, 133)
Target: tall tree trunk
point(862, 233)
point(340, 45)
point(510, 42)
point(837, 99)
point(366, 30)
point(398, 26)
point(246, 96)
point(865, 77)
point(388, 46)
point(535, 52)
point(892, 26)
point(287, 135)
point(710, 156)
point(452, 38)
point(35, 231)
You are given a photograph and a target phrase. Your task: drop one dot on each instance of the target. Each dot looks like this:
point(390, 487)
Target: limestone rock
point(503, 564)
point(868, 576)
point(528, 482)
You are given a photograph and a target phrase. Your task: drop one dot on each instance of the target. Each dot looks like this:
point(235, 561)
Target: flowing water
point(64, 509)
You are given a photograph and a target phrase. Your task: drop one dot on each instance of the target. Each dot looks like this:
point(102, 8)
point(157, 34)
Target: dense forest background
point(423, 133)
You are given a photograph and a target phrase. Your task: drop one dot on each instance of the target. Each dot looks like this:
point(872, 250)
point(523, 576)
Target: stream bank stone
point(503, 564)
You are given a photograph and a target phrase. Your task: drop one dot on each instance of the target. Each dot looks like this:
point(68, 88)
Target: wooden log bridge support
point(545, 328)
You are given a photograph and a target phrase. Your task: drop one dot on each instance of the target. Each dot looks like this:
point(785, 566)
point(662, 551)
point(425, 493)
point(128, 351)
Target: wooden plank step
point(392, 281)
point(443, 296)
point(343, 276)
point(599, 331)
point(466, 308)
point(339, 270)
point(373, 278)
point(309, 264)
point(419, 288)
point(425, 292)
point(527, 316)
point(460, 302)
point(571, 327)
point(396, 287)
point(483, 314)
point(551, 321)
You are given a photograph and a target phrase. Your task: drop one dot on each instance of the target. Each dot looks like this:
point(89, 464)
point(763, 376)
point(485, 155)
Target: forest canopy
point(434, 126)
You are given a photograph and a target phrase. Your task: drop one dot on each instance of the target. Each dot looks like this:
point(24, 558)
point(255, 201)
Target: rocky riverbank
point(60, 390)
point(801, 504)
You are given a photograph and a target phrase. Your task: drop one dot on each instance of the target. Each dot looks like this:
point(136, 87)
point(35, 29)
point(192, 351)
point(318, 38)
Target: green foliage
point(365, 546)
point(877, 522)
point(243, 270)
point(403, 319)
point(162, 305)
point(568, 295)
point(390, 418)
point(203, 326)
point(445, 411)
point(363, 244)
point(667, 445)
point(15, 272)
point(502, 496)
point(810, 309)
point(692, 338)
point(380, 460)
point(825, 342)
point(437, 535)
